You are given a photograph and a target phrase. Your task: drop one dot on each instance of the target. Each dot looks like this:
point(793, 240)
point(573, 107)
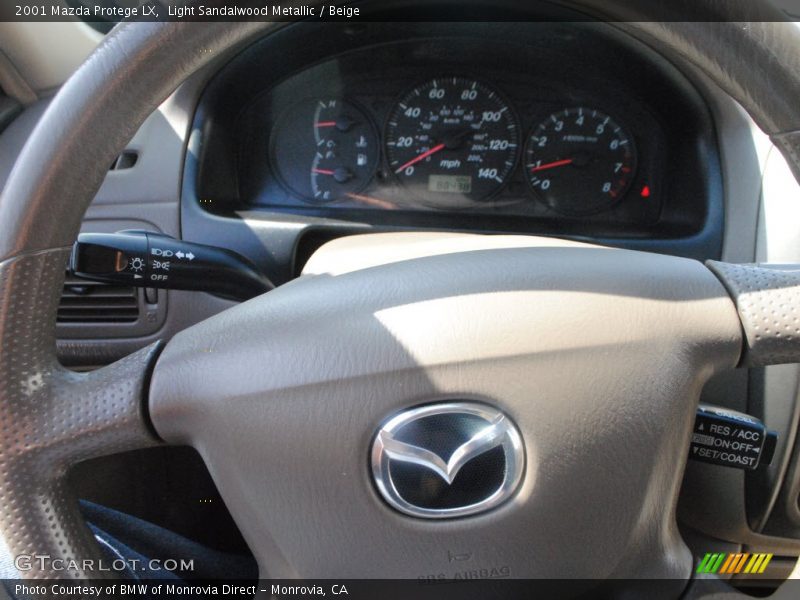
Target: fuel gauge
point(325, 150)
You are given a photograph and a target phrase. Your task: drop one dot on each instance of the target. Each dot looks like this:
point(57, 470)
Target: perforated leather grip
point(768, 300)
point(52, 418)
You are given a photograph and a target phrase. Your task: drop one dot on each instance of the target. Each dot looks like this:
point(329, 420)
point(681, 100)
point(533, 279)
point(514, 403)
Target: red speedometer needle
point(420, 157)
point(325, 124)
point(323, 171)
point(551, 165)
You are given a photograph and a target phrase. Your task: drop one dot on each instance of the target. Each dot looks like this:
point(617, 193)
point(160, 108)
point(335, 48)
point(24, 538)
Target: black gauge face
point(579, 161)
point(325, 149)
point(452, 141)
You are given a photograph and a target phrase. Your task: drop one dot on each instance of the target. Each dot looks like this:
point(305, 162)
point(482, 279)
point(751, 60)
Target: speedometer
point(452, 141)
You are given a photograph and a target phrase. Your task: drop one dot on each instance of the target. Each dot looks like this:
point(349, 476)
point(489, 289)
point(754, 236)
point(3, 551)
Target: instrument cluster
point(451, 142)
point(502, 127)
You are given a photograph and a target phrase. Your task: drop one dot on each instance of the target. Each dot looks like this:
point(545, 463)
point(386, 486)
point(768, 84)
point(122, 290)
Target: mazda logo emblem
point(447, 460)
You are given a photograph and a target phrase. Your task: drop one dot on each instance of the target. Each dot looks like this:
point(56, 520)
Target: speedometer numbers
point(579, 161)
point(452, 142)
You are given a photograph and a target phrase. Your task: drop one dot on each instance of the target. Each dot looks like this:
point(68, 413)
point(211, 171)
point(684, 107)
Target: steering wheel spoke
point(52, 418)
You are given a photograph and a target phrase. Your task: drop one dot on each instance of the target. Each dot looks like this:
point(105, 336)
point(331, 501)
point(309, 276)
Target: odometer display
point(455, 184)
point(580, 161)
point(452, 141)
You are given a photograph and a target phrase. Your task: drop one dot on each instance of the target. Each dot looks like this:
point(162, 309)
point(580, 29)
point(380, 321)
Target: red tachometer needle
point(325, 124)
point(551, 165)
point(420, 157)
point(322, 171)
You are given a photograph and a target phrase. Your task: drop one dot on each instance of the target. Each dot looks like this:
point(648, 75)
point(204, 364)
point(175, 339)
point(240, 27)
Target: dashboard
point(226, 161)
point(535, 128)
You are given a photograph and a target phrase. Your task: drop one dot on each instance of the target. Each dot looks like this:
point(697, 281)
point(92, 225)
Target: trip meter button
point(452, 141)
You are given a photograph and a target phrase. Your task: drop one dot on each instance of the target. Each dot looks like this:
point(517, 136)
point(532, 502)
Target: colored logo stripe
point(732, 564)
point(758, 563)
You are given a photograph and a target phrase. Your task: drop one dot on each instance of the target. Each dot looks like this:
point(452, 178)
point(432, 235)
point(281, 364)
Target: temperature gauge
point(325, 150)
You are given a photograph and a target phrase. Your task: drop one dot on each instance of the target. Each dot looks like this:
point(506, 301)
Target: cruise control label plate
point(727, 438)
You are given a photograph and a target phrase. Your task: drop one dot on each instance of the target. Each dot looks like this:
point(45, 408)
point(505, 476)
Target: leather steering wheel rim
point(51, 417)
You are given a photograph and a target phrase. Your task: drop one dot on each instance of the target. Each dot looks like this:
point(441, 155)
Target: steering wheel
point(596, 355)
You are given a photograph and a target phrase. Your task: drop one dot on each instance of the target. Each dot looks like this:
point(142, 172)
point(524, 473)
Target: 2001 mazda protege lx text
point(400, 299)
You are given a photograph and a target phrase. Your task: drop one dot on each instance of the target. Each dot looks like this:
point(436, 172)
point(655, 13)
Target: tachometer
point(579, 161)
point(452, 141)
